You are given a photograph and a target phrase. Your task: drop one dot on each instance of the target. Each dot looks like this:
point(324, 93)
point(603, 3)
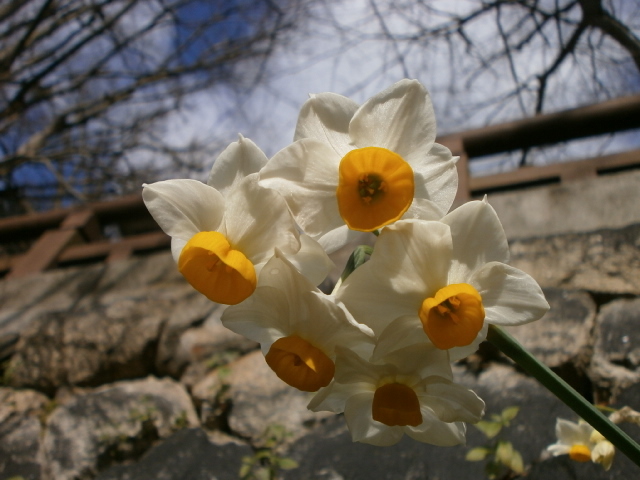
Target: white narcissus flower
point(443, 282)
point(221, 242)
point(410, 392)
point(298, 327)
point(582, 443)
point(364, 167)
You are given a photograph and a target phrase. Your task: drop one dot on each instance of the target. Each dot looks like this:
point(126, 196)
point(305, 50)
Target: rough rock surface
point(258, 398)
point(563, 335)
point(113, 423)
point(187, 454)
point(605, 261)
point(121, 371)
point(21, 416)
point(616, 359)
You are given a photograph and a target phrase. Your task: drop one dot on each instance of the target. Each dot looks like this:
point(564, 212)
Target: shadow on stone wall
point(122, 371)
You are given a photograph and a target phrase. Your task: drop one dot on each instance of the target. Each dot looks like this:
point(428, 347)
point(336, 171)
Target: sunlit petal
point(239, 160)
point(183, 208)
point(509, 296)
point(306, 174)
point(400, 118)
point(325, 117)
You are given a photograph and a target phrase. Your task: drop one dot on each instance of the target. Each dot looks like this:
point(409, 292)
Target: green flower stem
point(357, 258)
point(561, 389)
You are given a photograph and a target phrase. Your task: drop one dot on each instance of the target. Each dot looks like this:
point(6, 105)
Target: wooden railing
point(36, 242)
point(616, 115)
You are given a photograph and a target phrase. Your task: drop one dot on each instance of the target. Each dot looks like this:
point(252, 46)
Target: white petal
point(351, 368)
point(257, 221)
point(330, 325)
point(177, 244)
point(439, 433)
point(371, 300)
point(358, 414)
point(421, 360)
point(478, 238)
point(559, 449)
point(237, 161)
point(337, 238)
point(400, 119)
point(571, 433)
point(402, 332)
point(298, 308)
point(409, 263)
point(452, 402)
point(423, 209)
point(603, 454)
point(332, 398)
point(509, 296)
point(264, 317)
point(183, 208)
point(404, 344)
point(436, 178)
point(311, 260)
point(416, 255)
point(306, 174)
point(325, 117)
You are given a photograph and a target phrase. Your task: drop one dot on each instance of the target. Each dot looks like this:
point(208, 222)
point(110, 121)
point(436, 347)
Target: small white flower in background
point(364, 167)
point(410, 392)
point(442, 282)
point(221, 242)
point(297, 326)
point(582, 443)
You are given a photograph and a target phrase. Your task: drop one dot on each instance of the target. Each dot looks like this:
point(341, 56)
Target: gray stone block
point(604, 261)
point(112, 424)
point(21, 432)
point(187, 454)
point(563, 335)
point(616, 361)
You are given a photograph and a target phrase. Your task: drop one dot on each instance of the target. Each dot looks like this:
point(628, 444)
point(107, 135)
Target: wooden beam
point(566, 171)
point(44, 252)
point(105, 249)
point(611, 116)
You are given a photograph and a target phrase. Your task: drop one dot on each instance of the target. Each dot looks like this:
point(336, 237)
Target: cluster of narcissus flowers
point(582, 443)
point(379, 349)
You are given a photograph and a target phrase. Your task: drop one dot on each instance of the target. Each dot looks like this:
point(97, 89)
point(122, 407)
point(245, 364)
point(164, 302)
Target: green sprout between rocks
point(265, 463)
point(502, 459)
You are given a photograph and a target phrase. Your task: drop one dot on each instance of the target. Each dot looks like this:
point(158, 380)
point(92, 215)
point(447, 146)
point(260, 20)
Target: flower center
point(375, 188)
point(299, 364)
point(216, 270)
point(580, 453)
point(453, 317)
point(395, 404)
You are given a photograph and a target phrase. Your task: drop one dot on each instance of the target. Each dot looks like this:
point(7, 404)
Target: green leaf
point(477, 454)
point(509, 414)
point(287, 463)
point(516, 464)
point(490, 429)
point(504, 450)
point(245, 469)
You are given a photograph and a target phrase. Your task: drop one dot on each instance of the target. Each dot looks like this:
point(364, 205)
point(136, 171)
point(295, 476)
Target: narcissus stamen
point(375, 188)
point(216, 270)
point(396, 404)
point(580, 453)
point(453, 317)
point(299, 364)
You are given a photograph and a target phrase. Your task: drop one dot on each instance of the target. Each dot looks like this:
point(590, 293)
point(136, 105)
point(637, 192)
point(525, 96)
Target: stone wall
point(122, 371)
